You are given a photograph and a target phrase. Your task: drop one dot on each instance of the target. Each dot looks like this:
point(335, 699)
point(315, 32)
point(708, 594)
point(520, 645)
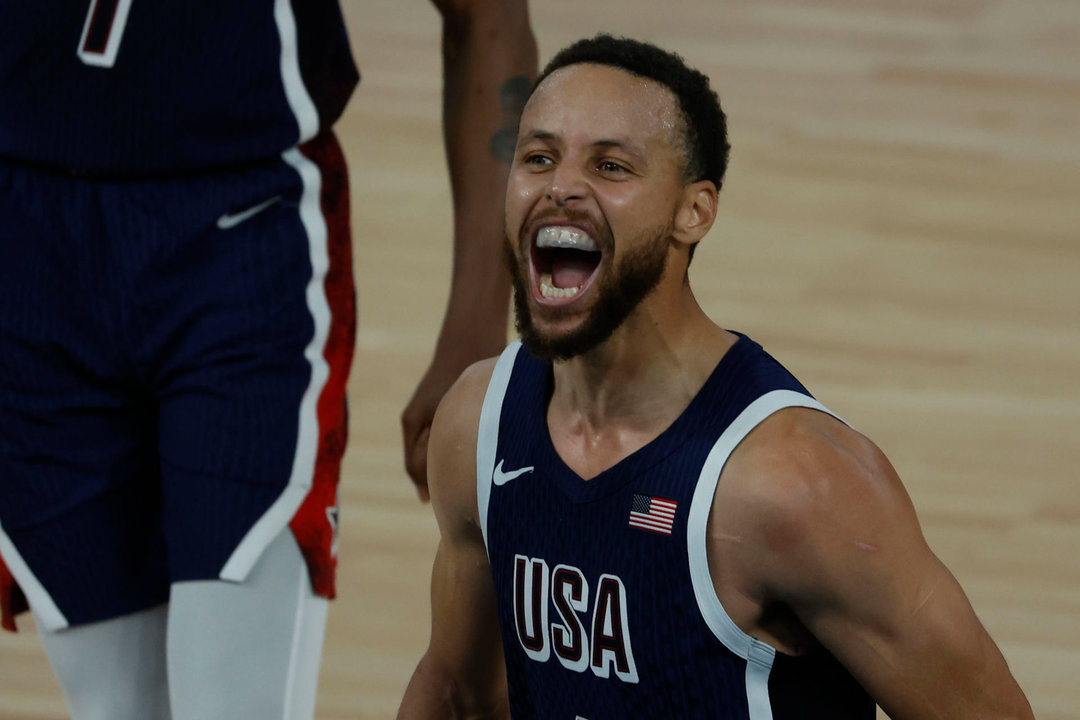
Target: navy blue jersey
point(606, 603)
point(143, 87)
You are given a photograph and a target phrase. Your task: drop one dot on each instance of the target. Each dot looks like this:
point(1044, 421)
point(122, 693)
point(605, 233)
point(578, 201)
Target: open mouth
point(564, 259)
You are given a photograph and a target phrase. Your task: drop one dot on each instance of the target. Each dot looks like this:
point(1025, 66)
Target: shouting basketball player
point(644, 515)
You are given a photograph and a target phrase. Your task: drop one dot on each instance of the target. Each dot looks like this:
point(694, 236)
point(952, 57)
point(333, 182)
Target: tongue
point(568, 272)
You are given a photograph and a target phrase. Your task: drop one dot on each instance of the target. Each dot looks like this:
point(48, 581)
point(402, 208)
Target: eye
point(611, 167)
point(536, 159)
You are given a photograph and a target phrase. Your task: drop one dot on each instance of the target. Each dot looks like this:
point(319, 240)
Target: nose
point(568, 184)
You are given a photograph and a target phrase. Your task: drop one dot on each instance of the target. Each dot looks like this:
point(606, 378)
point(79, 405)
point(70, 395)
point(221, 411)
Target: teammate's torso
point(605, 598)
point(143, 87)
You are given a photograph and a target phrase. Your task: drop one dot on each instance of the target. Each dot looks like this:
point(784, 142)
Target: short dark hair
point(706, 140)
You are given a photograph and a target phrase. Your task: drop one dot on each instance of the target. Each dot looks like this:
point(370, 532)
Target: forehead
point(600, 100)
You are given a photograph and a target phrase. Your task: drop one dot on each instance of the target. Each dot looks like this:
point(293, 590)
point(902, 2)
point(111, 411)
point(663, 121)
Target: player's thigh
point(252, 416)
point(79, 493)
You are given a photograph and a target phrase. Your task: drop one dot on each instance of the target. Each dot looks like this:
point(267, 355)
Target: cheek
point(639, 207)
point(520, 197)
point(628, 212)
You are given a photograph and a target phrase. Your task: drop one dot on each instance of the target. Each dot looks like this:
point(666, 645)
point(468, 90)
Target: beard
point(619, 292)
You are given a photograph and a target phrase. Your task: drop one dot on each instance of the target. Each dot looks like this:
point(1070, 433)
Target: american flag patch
point(653, 514)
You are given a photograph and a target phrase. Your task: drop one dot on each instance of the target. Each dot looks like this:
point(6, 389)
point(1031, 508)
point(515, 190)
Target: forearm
point(462, 673)
point(425, 696)
point(929, 657)
point(489, 60)
point(434, 695)
point(964, 693)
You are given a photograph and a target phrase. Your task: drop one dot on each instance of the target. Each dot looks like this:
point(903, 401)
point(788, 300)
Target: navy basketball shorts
point(173, 359)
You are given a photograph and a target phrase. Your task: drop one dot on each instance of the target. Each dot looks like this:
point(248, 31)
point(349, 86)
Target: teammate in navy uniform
point(177, 326)
point(644, 515)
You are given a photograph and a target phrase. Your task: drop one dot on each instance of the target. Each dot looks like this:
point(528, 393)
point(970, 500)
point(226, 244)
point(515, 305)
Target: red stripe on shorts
point(315, 523)
point(12, 600)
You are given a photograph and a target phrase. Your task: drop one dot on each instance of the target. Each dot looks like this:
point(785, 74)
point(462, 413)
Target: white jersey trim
point(307, 117)
point(278, 515)
point(758, 667)
point(487, 439)
point(40, 601)
point(759, 655)
point(107, 57)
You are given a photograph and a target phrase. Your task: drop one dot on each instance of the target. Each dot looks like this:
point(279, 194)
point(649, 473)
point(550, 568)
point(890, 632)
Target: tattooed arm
point(489, 62)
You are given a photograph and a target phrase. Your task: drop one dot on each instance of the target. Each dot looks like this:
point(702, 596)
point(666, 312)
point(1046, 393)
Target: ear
point(696, 213)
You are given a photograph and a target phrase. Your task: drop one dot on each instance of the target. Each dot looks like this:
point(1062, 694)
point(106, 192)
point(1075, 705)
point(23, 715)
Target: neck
point(645, 374)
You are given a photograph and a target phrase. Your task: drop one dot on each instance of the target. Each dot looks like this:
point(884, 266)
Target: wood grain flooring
point(900, 226)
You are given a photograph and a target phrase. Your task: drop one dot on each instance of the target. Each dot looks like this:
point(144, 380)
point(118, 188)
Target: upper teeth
point(565, 237)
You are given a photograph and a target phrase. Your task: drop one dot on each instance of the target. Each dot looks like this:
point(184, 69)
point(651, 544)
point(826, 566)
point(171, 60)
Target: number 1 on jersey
point(102, 31)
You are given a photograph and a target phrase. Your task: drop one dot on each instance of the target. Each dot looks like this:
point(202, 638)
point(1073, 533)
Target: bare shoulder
point(813, 462)
point(811, 516)
point(463, 401)
point(807, 493)
point(452, 446)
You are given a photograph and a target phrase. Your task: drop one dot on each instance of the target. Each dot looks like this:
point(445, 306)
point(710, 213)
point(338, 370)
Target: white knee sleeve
point(251, 649)
point(112, 670)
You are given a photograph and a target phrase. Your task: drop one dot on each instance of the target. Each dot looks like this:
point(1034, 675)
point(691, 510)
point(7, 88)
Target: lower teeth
point(549, 290)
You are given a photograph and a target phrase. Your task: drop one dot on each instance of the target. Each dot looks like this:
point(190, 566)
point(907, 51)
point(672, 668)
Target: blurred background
point(900, 226)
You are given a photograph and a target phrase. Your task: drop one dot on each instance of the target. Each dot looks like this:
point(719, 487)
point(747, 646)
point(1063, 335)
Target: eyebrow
point(630, 147)
point(539, 135)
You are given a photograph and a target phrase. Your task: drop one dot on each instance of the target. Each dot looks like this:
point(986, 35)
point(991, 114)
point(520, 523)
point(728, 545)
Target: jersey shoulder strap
point(487, 439)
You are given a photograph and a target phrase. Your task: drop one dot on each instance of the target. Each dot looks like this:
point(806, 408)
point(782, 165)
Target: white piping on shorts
point(40, 601)
point(284, 508)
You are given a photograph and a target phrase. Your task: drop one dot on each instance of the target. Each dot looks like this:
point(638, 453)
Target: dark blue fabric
point(553, 515)
point(196, 84)
point(145, 356)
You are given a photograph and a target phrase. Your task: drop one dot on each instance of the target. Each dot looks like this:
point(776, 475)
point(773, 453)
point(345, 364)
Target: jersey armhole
point(713, 612)
point(759, 656)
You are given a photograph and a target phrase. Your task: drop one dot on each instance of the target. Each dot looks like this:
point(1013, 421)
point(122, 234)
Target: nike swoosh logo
point(501, 478)
point(231, 220)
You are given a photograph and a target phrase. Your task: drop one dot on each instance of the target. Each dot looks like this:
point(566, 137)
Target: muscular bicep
point(465, 642)
point(462, 672)
point(841, 547)
point(465, 627)
point(905, 629)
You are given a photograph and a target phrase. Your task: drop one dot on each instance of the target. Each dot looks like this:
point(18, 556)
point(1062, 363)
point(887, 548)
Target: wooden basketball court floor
point(900, 226)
